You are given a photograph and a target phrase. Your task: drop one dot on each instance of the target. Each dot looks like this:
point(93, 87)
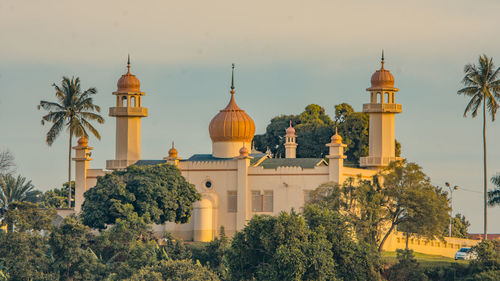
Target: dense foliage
point(157, 194)
point(314, 129)
point(58, 197)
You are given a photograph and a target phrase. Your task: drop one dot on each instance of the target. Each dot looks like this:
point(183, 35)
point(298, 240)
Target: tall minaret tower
point(382, 108)
point(290, 144)
point(128, 113)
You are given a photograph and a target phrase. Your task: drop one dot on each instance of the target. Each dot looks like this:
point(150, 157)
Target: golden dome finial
point(382, 61)
point(336, 138)
point(290, 130)
point(128, 64)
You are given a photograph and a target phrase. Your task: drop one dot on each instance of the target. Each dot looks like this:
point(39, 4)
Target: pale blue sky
point(288, 54)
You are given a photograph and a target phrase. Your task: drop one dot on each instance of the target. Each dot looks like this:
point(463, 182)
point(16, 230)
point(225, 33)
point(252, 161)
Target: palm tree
point(73, 110)
point(16, 189)
point(482, 85)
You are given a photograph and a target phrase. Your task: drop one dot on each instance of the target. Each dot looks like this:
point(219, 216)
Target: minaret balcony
point(128, 111)
point(382, 108)
point(374, 161)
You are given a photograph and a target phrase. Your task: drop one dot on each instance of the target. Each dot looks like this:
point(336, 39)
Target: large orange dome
point(232, 124)
point(128, 82)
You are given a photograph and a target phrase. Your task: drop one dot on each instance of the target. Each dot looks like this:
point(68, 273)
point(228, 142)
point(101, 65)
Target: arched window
point(133, 101)
point(388, 100)
point(124, 101)
point(380, 98)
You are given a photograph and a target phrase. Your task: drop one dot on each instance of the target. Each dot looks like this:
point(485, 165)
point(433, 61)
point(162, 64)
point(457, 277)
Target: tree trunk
point(69, 168)
point(485, 172)
point(407, 238)
point(385, 237)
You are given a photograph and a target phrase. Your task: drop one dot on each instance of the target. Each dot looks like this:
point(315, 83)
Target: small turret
point(290, 143)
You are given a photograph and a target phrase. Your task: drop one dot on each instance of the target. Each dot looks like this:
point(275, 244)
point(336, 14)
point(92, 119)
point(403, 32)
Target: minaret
point(290, 144)
point(382, 109)
point(128, 113)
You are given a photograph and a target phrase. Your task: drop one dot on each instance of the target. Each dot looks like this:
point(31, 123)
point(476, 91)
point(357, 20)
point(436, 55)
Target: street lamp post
point(451, 201)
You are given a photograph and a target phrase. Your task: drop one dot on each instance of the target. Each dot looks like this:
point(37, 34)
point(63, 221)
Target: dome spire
point(232, 80)
point(382, 60)
point(128, 64)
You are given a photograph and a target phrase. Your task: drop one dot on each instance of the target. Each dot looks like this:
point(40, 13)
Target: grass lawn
point(424, 259)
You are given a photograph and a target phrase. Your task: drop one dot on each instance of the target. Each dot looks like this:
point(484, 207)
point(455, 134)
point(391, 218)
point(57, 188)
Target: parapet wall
point(446, 248)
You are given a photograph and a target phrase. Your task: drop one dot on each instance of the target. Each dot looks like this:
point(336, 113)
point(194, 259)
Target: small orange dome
point(243, 151)
point(128, 82)
point(336, 138)
point(172, 153)
point(382, 78)
point(290, 130)
point(83, 141)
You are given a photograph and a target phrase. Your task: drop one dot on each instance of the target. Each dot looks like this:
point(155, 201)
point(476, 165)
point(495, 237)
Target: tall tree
point(482, 86)
point(414, 204)
point(14, 189)
point(74, 110)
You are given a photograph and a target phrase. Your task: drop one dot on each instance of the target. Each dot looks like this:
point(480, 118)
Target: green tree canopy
point(26, 216)
point(354, 260)
point(156, 194)
point(175, 270)
point(414, 205)
point(71, 257)
point(280, 248)
point(57, 197)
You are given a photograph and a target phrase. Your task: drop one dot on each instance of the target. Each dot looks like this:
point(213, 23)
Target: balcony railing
point(376, 161)
point(382, 107)
point(128, 111)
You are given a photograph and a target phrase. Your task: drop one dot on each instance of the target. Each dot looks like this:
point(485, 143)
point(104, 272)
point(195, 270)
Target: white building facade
point(236, 183)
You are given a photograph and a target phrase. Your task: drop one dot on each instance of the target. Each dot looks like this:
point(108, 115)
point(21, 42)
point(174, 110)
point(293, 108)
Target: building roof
point(304, 163)
point(256, 157)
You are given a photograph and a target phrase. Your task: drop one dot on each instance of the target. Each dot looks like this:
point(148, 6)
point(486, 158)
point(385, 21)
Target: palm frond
point(54, 131)
point(48, 105)
point(91, 128)
point(92, 116)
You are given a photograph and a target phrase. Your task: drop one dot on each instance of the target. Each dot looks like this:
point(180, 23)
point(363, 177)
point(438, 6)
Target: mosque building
point(235, 181)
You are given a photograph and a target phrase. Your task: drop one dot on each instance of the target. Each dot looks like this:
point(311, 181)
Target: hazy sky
point(288, 54)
